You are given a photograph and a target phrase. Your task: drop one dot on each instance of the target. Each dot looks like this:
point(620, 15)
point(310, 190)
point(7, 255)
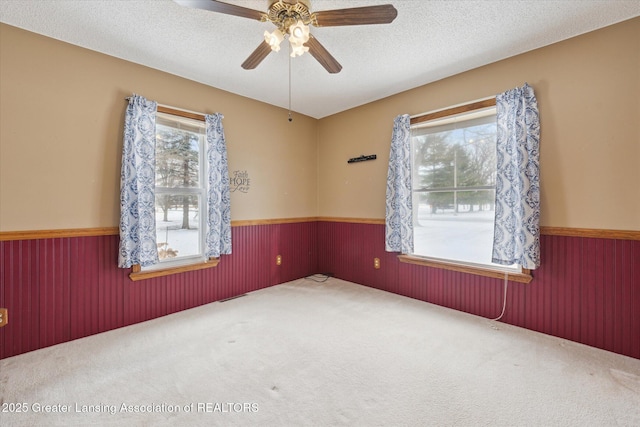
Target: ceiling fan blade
point(257, 56)
point(226, 8)
point(382, 14)
point(323, 56)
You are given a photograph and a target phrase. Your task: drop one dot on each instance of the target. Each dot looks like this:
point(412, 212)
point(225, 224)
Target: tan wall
point(64, 171)
point(61, 119)
point(588, 91)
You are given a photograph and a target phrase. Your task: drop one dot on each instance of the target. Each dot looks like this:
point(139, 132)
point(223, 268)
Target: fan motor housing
point(306, 3)
point(285, 13)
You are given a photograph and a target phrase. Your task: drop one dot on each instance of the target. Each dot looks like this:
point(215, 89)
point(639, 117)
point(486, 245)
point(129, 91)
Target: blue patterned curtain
point(517, 218)
point(218, 238)
point(137, 185)
point(399, 213)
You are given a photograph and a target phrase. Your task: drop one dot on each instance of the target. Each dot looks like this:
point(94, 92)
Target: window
point(453, 184)
point(181, 157)
point(180, 190)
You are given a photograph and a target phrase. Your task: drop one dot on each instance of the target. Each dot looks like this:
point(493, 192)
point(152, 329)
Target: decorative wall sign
point(239, 181)
point(362, 158)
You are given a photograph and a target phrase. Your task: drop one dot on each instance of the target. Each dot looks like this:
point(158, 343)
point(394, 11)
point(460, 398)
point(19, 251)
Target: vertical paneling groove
point(624, 272)
point(628, 300)
point(30, 256)
point(555, 298)
point(44, 282)
point(635, 293)
point(6, 276)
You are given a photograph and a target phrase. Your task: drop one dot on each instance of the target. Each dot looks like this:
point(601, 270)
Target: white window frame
point(193, 262)
point(515, 273)
point(200, 191)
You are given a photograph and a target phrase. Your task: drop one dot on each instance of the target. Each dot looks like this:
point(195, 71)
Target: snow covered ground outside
point(186, 242)
point(465, 236)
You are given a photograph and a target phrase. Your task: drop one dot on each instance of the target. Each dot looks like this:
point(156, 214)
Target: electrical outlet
point(4, 316)
point(279, 260)
point(376, 263)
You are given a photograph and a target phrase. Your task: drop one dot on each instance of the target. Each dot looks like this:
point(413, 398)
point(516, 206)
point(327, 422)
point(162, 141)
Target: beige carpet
point(322, 354)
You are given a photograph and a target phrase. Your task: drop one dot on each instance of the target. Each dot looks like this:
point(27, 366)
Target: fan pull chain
point(290, 118)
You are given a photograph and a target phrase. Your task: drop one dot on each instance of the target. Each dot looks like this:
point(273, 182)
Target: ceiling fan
point(292, 18)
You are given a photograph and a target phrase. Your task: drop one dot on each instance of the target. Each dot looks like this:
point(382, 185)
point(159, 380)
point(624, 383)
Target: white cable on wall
point(504, 301)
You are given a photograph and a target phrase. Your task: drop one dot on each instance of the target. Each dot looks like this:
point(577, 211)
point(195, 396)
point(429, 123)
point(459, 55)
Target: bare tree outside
point(454, 173)
point(179, 191)
point(176, 167)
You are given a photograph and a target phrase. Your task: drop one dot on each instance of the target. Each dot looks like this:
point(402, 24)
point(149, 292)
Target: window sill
point(137, 274)
point(523, 277)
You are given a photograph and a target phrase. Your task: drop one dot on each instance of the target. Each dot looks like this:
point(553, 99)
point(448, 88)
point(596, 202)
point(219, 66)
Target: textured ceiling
point(429, 40)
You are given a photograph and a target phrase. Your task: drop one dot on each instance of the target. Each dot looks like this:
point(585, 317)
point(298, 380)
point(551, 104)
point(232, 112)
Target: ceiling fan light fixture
point(298, 33)
point(297, 49)
point(292, 19)
point(274, 39)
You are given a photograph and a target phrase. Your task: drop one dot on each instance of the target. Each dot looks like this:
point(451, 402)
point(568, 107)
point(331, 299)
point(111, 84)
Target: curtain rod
point(179, 111)
point(452, 111)
point(452, 106)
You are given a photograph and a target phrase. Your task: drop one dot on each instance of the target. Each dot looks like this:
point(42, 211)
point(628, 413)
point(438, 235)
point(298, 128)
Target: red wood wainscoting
point(63, 288)
point(587, 289)
point(59, 289)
